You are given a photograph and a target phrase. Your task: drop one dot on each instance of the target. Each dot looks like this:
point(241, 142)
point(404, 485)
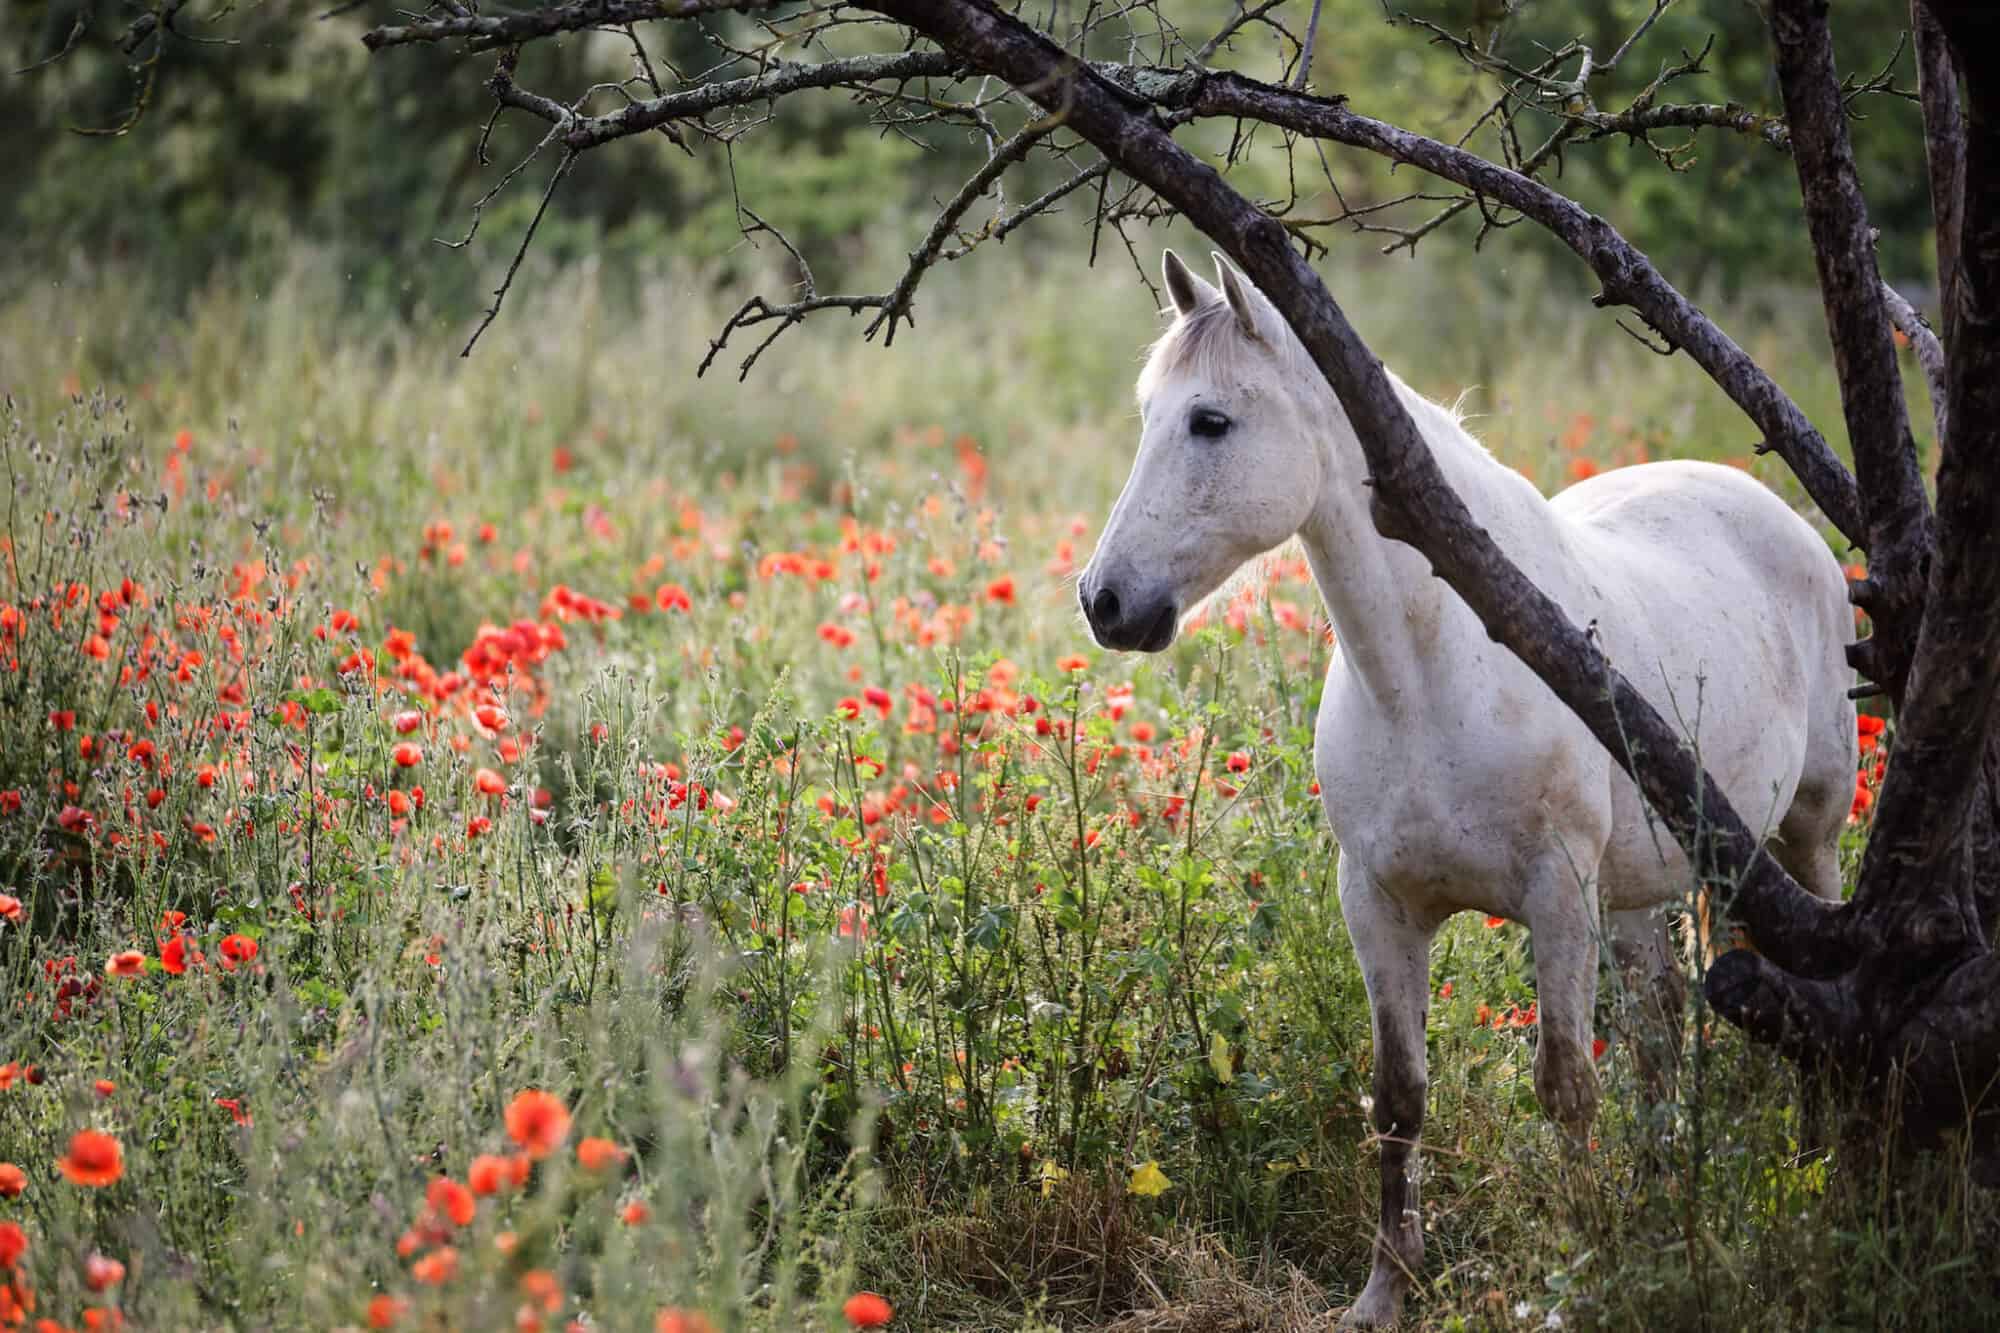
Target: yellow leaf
point(1218, 1058)
point(1148, 1180)
point(1052, 1175)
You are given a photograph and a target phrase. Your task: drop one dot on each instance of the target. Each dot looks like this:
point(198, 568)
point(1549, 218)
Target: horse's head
point(1228, 465)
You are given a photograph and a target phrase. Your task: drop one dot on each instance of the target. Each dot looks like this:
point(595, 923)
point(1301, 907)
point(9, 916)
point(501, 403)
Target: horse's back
point(1729, 612)
point(1713, 549)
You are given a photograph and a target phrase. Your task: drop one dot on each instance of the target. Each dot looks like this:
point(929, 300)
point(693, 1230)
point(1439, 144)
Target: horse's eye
point(1208, 423)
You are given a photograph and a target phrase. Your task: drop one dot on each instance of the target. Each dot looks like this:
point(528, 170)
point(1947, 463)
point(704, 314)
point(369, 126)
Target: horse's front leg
point(1394, 952)
point(1561, 910)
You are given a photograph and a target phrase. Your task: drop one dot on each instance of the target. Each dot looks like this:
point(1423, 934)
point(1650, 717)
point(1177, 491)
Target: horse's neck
point(1391, 616)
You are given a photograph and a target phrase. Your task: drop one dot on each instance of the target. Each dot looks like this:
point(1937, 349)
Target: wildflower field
point(542, 842)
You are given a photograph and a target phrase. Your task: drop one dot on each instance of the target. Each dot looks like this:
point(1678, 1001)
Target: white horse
point(1453, 778)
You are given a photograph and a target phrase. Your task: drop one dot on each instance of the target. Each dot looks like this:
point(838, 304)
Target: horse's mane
point(1208, 342)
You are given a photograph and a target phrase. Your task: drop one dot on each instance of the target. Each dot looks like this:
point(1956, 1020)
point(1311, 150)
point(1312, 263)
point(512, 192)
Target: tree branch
point(1930, 352)
point(780, 79)
point(489, 31)
point(1944, 145)
point(996, 165)
point(1690, 115)
point(1412, 501)
point(1894, 506)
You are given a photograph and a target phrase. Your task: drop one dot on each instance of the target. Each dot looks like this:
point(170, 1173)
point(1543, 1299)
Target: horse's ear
point(1242, 300)
point(1186, 290)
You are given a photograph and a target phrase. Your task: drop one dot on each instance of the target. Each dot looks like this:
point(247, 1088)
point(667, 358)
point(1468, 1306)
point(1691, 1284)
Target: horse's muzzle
point(1128, 624)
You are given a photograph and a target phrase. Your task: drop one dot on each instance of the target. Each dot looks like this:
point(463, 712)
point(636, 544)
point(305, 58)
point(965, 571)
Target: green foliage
point(880, 975)
point(294, 134)
point(1727, 209)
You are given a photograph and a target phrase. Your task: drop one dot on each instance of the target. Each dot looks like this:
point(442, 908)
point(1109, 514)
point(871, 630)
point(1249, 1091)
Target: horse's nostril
point(1104, 607)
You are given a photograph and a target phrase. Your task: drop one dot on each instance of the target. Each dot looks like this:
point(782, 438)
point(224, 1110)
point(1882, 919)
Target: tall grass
point(778, 819)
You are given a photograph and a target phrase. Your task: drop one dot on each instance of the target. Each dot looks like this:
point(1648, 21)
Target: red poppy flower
point(538, 1121)
point(384, 1310)
point(95, 1159)
point(450, 1199)
point(100, 1271)
point(542, 1288)
point(407, 755)
point(10, 907)
point(173, 956)
point(13, 1180)
point(237, 949)
point(13, 1244)
point(595, 1154)
point(489, 1174)
point(436, 1268)
point(489, 782)
point(677, 1320)
point(1238, 762)
point(125, 963)
point(864, 1309)
point(1001, 590)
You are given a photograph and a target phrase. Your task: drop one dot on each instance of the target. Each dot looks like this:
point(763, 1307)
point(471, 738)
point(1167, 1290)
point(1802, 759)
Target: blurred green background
point(292, 135)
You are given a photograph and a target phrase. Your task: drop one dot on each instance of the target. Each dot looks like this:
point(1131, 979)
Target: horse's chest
point(1443, 799)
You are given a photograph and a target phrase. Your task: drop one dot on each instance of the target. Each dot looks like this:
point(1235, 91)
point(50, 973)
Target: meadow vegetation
point(689, 821)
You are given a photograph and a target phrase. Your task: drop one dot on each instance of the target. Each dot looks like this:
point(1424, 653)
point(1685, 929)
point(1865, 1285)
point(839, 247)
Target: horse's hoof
point(1566, 1086)
point(1380, 1305)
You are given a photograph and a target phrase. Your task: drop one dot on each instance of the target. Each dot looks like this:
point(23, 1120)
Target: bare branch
point(998, 228)
point(1695, 115)
point(1944, 146)
point(779, 79)
point(500, 292)
point(1306, 49)
point(1002, 157)
point(1894, 506)
point(1909, 322)
point(489, 31)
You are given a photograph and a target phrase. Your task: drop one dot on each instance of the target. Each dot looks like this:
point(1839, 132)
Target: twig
point(1306, 50)
point(1002, 157)
point(500, 292)
point(1910, 322)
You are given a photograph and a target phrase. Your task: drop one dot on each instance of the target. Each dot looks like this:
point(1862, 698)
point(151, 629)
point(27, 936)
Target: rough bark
point(1944, 141)
point(1930, 353)
point(1894, 506)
